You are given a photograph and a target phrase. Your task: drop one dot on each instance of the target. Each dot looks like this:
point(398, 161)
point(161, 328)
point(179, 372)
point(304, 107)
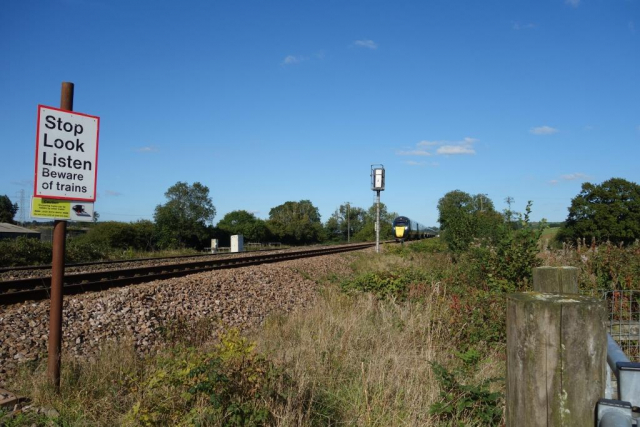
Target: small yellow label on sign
point(48, 208)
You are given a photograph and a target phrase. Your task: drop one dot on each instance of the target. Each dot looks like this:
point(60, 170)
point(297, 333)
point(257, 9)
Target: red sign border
point(95, 177)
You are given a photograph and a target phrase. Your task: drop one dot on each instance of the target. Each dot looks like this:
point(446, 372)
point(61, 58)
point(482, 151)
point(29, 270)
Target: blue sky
point(269, 101)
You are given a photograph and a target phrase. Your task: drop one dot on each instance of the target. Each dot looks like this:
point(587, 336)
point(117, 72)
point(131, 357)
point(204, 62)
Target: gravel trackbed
point(240, 298)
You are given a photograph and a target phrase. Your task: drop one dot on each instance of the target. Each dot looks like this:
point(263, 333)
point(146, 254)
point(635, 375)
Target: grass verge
point(400, 340)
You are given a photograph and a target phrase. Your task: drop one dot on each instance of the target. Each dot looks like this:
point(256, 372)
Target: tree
point(145, 235)
point(508, 213)
point(483, 203)
point(332, 227)
point(368, 230)
point(296, 223)
point(353, 218)
point(346, 216)
point(245, 223)
point(456, 209)
point(609, 211)
point(183, 220)
point(464, 218)
point(7, 210)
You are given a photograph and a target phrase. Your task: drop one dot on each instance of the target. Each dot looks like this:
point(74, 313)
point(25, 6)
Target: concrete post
point(556, 353)
point(555, 280)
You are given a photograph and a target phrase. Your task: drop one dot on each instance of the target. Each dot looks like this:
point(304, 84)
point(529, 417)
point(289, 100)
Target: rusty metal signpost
point(66, 169)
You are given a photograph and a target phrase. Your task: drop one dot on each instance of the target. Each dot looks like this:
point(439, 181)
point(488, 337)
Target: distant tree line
point(185, 220)
point(606, 212)
point(609, 211)
point(293, 222)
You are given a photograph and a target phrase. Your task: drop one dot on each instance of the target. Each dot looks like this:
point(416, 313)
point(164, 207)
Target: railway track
point(38, 288)
point(125, 261)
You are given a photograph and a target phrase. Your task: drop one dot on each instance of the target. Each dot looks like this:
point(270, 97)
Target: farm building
point(10, 231)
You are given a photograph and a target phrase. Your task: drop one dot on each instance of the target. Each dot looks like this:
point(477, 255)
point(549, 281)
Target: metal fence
point(624, 321)
point(623, 355)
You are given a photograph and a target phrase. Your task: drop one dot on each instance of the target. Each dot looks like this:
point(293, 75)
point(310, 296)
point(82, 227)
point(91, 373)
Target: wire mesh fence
point(624, 321)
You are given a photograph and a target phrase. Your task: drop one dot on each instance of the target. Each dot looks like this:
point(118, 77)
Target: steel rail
point(123, 261)
point(21, 290)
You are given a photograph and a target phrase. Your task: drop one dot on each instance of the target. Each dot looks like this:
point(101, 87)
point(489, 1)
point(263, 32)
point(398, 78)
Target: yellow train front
point(405, 229)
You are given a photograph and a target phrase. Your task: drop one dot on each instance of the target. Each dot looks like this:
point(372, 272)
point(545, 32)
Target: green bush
point(428, 246)
point(615, 267)
point(466, 402)
point(477, 301)
point(78, 251)
point(517, 253)
point(112, 235)
point(24, 251)
point(234, 381)
point(385, 284)
point(508, 265)
point(605, 267)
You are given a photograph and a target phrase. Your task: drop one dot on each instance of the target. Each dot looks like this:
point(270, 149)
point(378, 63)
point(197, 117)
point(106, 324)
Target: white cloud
point(147, 149)
point(543, 130)
point(632, 27)
point(369, 44)
point(519, 26)
point(460, 147)
point(446, 148)
point(429, 143)
point(578, 176)
point(574, 176)
point(574, 3)
point(297, 59)
point(415, 163)
point(456, 149)
point(413, 153)
point(293, 59)
point(112, 193)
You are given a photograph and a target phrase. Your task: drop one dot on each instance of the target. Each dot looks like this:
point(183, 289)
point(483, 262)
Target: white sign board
point(61, 209)
point(66, 155)
point(378, 179)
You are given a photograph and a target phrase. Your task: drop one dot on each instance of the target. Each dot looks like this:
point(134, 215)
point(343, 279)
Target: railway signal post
point(377, 185)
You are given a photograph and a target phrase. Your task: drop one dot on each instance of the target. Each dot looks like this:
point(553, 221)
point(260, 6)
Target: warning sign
point(66, 155)
point(61, 209)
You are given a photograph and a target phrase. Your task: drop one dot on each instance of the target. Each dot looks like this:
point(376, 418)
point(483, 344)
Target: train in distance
point(405, 229)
